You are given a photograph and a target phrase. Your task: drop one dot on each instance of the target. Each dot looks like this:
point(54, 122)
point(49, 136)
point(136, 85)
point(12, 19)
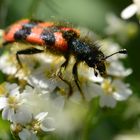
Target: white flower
point(26, 134)
point(1, 32)
point(122, 31)
point(7, 64)
point(10, 66)
point(43, 78)
point(34, 100)
point(131, 10)
point(39, 123)
point(113, 91)
point(9, 96)
point(43, 122)
point(12, 104)
point(22, 115)
point(117, 69)
point(37, 99)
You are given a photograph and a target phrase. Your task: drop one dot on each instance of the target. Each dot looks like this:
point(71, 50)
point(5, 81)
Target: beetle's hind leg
point(75, 74)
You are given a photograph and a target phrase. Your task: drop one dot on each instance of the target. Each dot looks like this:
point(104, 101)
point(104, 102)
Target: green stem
point(91, 120)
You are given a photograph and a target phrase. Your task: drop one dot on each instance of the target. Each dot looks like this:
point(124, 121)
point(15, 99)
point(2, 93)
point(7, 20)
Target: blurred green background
point(124, 119)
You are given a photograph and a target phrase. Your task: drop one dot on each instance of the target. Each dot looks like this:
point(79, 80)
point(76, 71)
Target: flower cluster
point(18, 108)
point(35, 100)
point(119, 29)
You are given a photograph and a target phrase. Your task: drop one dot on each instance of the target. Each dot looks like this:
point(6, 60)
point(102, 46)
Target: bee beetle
point(58, 39)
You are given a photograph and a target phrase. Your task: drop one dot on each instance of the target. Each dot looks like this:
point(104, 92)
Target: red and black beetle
point(59, 40)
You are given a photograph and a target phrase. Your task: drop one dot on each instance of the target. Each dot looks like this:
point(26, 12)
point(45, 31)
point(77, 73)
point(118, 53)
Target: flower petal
point(129, 11)
point(8, 113)
point(120, 96)
point(22, 115)
point(3, 102)
point(41, 116)
point(47, 125)
point(123, 90)
point(108, 101)
point(25, 134)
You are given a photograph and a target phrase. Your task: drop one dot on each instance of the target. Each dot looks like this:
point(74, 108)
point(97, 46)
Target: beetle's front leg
point(29, 51)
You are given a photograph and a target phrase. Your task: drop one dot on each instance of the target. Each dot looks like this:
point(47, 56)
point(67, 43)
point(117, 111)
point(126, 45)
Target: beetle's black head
point(97, 60)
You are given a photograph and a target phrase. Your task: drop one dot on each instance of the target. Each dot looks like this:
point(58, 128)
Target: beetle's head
point(98, 60)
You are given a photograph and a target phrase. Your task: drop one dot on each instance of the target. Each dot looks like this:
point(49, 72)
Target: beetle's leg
point(75, 74)
point(63, 66)
point(6, 43)
point(69, 85)
point(28, 51)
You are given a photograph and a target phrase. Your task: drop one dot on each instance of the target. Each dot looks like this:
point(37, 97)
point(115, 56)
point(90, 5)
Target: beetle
point(58, 39)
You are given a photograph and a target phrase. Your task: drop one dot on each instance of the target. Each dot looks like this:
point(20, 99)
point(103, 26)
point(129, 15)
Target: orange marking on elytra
point(71, 29)
point(10, 32)
point(60, 42)
point(34, 37)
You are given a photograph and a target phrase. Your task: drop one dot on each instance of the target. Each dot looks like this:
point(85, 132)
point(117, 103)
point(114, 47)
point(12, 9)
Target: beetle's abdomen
point(39, 33)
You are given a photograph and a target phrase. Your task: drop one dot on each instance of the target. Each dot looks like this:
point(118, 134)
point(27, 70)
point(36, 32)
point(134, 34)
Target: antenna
point(122, 51)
